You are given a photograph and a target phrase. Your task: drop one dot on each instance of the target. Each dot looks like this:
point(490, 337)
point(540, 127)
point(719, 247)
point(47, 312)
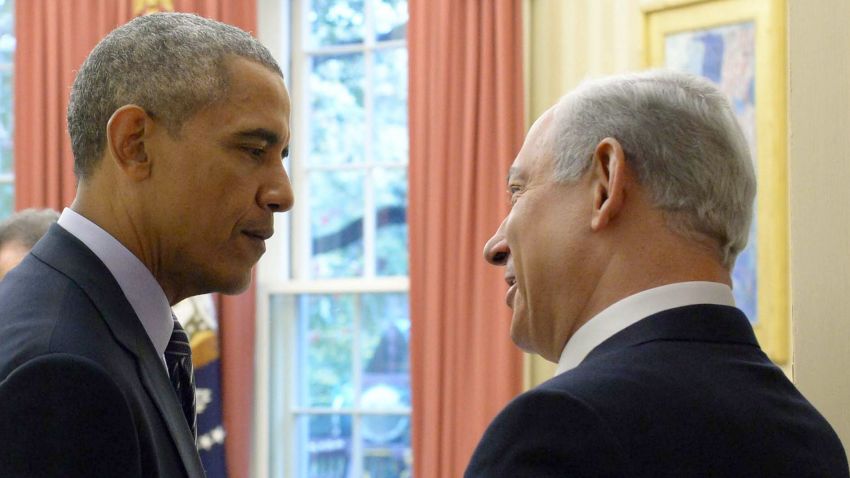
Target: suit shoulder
point(547, 432)
point(35, 288)
point(655, 397)
point(36, 303)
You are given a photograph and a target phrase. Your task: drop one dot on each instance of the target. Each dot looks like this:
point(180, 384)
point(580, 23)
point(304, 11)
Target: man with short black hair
point(19, 233)
point(178, 126)
point(631, 199)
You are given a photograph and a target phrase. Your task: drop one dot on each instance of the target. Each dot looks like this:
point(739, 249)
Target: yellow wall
point(568, 40)
point(574, 39)
point(819, 175)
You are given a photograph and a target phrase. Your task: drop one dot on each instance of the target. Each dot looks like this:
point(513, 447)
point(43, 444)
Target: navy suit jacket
point(683, 393)
point(83, 392)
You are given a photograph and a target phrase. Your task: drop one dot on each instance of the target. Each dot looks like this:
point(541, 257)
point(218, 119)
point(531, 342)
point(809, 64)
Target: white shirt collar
point(627, 311)
point(143, 292)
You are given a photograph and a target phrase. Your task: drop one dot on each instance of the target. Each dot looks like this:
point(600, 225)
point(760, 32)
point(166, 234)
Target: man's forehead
point(535, 147)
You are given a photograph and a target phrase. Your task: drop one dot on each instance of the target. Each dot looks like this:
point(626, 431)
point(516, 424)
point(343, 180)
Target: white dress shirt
point(143, 292)
point(630, 310)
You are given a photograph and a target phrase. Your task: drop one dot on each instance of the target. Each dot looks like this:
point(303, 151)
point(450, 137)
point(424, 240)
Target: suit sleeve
point(63, 416)
point(545, 433)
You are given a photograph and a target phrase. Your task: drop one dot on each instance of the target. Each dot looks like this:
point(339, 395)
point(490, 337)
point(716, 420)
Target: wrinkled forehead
point(539, 140)
point(536, 150)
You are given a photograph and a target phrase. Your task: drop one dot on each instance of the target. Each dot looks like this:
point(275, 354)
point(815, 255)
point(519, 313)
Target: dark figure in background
point(178, 125)
point(19, 233)
point(631, 199)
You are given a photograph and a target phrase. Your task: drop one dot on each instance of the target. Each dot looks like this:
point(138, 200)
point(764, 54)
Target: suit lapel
point(66, 253)
point(159, 388)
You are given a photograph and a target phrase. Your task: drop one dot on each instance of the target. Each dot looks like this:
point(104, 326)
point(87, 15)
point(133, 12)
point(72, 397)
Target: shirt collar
point(627, 311)
point(143, 292)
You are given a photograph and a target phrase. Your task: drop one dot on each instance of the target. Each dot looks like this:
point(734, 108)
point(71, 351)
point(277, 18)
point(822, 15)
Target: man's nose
point(276, 195)
point(496, 251)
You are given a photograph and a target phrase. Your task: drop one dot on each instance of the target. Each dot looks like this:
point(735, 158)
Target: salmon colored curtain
point(466, 126)
point(53, 39)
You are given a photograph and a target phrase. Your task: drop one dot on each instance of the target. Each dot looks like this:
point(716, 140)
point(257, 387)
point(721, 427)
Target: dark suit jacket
point(684, 393)
point(83, 392)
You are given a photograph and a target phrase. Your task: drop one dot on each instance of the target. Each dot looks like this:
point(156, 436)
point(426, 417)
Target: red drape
point(466, 126)
point(53, 38)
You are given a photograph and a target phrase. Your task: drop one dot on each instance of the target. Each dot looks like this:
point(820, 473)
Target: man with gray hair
point(178, 126)
point(631, 199)
point(19, 233)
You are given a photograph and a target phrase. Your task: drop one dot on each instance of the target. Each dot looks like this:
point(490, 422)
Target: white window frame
point(9, 178)
point(276, 273)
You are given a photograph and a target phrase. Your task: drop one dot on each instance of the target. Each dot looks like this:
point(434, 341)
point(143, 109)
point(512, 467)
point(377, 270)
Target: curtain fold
point(53, 39)
point(466, 126)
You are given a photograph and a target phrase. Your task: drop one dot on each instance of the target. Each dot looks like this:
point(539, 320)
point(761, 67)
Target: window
point(7, 93)
point(334, 314)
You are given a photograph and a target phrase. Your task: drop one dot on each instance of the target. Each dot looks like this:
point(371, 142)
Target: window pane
point(336, 118)
point(391, 19)
point(7, 31)
point(386, 450)
point(336, 223)
point(385, 329)
point(6, 120)
point(7, 165)
point(7, 199)
point(389, 134)
point(325, 336)
point(391, 222)
point(324, 446)
point(335, 22)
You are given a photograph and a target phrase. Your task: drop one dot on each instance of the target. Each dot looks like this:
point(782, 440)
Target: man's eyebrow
point(268, 136)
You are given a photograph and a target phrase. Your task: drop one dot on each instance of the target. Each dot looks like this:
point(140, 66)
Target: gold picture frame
point(756, 29)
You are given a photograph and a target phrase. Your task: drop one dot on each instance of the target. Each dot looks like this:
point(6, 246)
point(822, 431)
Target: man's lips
point(259, 237)
point(512, 287)
point(261, 234)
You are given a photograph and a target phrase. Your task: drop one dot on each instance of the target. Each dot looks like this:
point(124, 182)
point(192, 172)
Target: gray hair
point(680, 135)
point(26, 227)
point(170, 64)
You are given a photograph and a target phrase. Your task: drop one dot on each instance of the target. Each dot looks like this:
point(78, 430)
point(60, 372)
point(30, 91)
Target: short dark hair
point(170, 64)
point(26, 227)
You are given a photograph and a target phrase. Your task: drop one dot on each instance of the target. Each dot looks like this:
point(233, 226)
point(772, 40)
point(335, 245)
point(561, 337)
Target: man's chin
point(229, 284)
point(520, 335)
point(237, 285)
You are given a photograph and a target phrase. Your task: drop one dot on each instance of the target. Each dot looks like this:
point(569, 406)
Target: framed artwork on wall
point(740, 46)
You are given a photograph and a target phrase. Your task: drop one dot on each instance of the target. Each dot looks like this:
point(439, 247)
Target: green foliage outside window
point(7, 59)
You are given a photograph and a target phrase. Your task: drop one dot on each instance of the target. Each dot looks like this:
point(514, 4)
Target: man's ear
point(126, 133)
point(609, 182)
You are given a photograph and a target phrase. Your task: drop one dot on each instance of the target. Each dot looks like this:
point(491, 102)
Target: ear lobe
point(126, 132)
point(608, 177)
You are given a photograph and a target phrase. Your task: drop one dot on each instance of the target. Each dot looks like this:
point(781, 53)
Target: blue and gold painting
point(726, 56)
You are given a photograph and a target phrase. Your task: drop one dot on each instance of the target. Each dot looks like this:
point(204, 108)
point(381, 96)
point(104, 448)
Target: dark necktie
point(178, 359)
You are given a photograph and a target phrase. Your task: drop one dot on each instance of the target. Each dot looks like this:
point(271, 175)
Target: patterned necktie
point(178, 359)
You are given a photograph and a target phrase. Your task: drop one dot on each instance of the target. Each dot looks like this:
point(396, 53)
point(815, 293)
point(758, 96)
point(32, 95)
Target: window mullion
point(369, 103)
point(357, 358)
point(301, 251)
